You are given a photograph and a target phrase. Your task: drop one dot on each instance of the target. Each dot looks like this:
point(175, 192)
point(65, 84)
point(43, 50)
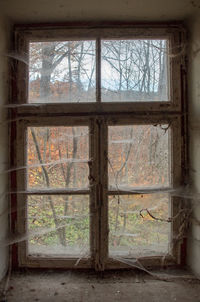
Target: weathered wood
point(98, 116)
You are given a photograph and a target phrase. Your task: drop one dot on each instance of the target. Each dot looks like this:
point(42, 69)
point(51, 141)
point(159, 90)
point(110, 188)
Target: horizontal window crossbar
point(121, 190)
point(73, 191)
point(85, 108)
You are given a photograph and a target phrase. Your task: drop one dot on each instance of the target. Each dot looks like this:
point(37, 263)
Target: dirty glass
point(57, 157)
point(58, 225)
point(139, 156)
point(134, 70)
point(62, 71)
point(132, 231)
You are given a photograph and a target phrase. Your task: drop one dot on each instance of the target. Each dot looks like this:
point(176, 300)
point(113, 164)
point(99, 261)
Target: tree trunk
point(48, 53)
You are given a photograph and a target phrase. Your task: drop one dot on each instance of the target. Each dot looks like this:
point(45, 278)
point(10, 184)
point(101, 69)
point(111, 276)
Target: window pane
point(134, 236)
point(58, 225)
point(134, 71)
point(58, 157)
point(139, 156)
point(62, 71)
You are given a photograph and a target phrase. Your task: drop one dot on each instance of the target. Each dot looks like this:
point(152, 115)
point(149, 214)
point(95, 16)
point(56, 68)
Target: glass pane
point(62, 71)
point(57, 157)
point(139, 156)
point(134, 71)
point(133, 235)
point(58, 225)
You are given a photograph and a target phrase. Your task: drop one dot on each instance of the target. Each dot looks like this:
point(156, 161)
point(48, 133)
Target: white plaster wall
point(194, 137)
point(3, 143)
point(24, 11)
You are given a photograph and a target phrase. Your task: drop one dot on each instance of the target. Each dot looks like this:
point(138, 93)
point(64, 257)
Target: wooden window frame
point(92, 115)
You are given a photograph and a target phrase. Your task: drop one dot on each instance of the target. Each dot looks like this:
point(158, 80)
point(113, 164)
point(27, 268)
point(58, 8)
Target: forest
point(138, 155)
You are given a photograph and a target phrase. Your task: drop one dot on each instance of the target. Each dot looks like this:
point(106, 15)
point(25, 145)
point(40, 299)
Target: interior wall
point(23, 11)
point(4, 41)
point(194, 137)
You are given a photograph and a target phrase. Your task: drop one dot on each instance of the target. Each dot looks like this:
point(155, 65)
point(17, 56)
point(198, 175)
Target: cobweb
point(140, 220)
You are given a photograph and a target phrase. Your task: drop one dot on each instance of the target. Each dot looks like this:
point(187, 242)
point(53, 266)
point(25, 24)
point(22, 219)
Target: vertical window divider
point(103, 171)
point(21, 161)
point(94, 200)
point(98, 70)
point(98, 201)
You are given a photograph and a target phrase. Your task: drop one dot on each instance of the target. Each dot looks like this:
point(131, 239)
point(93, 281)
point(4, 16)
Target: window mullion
point(103, 188)
point(98, 70)
point(94, 193)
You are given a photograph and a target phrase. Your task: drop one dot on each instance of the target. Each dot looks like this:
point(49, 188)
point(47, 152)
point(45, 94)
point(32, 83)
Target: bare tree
point(50, 55)
point(139, 68)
